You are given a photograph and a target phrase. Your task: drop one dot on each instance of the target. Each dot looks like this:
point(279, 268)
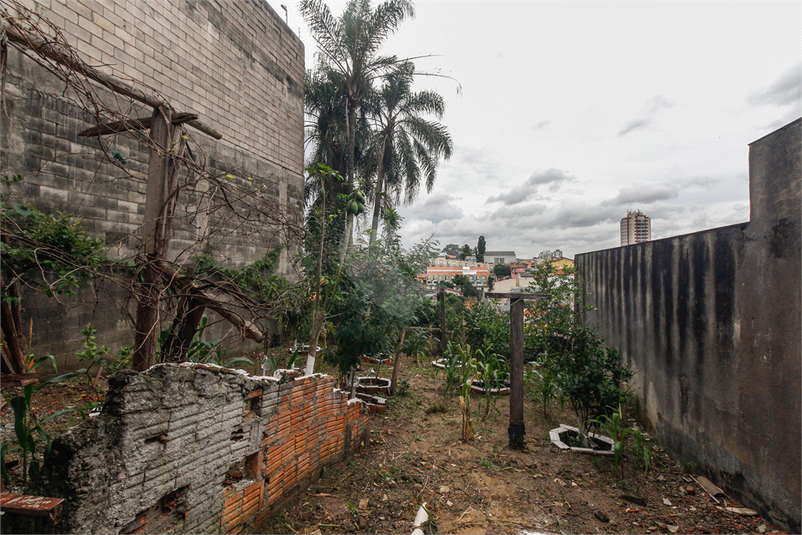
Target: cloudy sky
point(566, 115)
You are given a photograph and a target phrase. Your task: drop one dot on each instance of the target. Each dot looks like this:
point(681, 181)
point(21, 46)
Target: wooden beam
point(142, 123)
point(53, 51)
point(518, 295)
point(208, 130)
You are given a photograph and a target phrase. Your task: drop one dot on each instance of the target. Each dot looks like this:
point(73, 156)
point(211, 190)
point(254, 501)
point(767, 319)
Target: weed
point(100, 358)
point(27, 427)
point(544, 381)
point(495, 374)
point(642, 451)
point(613, 426)
point(438, 407)
point(403, 389)
point(487, 463)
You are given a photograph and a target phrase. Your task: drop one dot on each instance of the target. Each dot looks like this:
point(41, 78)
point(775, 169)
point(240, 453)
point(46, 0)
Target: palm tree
point(407, 146)
point(349, 45)
point(327, 135)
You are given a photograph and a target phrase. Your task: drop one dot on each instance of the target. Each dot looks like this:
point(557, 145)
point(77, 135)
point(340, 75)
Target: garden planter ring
point(556, 438)
point(373, 385)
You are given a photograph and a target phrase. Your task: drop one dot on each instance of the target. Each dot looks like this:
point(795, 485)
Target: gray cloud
point(634, 125)
point(787, 89)
point(436, 208)
point(652, 106)
point(643, 195)
point(554, 178)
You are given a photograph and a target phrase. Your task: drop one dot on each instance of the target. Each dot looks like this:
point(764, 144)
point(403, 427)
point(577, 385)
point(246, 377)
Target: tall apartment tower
point(635, 228)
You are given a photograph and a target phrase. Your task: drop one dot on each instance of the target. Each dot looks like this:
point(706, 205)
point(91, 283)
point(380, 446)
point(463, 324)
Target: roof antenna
point(286, 19)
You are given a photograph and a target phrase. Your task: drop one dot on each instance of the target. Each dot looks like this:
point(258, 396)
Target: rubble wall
point(195, 448)
point(710, 323)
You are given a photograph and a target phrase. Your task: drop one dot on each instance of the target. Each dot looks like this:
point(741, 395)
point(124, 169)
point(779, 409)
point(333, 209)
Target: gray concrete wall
point(710, 322)
point(198, 449)
point(237, 64)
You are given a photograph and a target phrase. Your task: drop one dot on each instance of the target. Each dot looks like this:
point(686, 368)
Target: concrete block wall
point(710, 323)
point(237, 64)
point(198, 449)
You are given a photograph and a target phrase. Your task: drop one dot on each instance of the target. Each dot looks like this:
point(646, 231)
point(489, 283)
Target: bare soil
point(415, 455)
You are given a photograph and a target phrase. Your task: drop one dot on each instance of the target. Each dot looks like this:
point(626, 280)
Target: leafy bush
point(590, 376)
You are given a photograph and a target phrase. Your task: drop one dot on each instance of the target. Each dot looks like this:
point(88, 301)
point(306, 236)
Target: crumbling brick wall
point(195, 448)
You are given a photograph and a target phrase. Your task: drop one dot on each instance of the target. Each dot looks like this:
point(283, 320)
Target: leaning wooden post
point(517, 430)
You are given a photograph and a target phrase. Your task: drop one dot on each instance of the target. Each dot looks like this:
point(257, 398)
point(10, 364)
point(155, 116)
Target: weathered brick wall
point(198, 449)
point(237, 64)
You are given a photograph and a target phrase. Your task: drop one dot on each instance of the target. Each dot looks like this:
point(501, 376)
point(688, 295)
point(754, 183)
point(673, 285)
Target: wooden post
point(442, 297)
point(517, 429)
point(156, 236)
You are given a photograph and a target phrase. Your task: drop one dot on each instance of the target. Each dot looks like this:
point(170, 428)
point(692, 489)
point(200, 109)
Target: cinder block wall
point(710, 323)
point(237, 64)
point(198, 449)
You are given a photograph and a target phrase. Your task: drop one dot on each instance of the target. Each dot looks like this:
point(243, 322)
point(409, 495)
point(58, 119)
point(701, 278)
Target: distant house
point(501, 257)
point(444, 267)
point(560, 263)
point(516, 270)
point(508, 285)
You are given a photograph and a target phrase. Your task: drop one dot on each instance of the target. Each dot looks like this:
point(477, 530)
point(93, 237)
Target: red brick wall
point(231, 447)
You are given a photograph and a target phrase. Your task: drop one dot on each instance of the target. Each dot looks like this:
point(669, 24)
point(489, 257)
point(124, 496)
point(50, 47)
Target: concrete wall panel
point(710, 322)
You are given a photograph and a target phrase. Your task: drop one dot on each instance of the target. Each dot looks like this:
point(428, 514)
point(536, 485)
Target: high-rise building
point(635, 228)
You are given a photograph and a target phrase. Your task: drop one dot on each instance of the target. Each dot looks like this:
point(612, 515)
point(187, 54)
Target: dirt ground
point(415, 456)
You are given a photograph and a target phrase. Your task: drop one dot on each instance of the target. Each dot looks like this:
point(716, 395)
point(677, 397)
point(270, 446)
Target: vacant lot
point(415, 455)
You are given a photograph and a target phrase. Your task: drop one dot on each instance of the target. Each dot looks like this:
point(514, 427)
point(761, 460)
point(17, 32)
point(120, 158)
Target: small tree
point(480, 249)
point(501, 270)
point(451, 249)
point(592, 377)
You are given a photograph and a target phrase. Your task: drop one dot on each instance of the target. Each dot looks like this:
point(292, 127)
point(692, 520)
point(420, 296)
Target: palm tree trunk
point(317, 313)
point(374, 227)
point(349, 227)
